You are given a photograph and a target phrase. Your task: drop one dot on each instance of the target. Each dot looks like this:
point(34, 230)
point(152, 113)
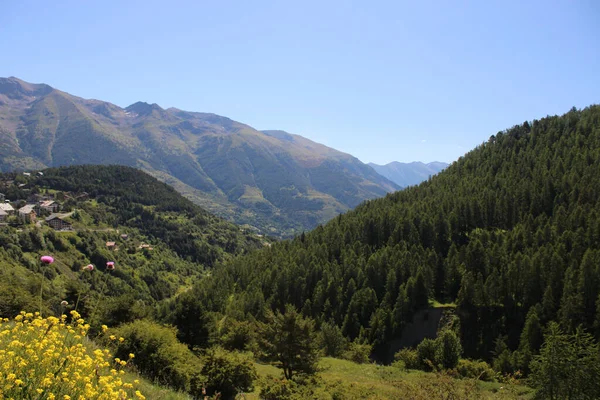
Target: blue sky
point(382, 80)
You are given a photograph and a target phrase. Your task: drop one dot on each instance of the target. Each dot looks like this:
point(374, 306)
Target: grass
point(437, 304)
point(342, 379)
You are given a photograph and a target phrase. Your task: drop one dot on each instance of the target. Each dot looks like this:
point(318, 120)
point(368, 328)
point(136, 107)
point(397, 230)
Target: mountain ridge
point(274, 181)
point(409, 174)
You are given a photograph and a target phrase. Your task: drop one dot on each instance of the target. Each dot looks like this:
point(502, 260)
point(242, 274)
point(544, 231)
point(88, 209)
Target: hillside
point(279, 183)
point(160, 241)
point(510, 233)
point(408, 174)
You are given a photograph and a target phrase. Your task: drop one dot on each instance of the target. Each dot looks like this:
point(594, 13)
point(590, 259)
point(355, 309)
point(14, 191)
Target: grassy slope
point(371, 381)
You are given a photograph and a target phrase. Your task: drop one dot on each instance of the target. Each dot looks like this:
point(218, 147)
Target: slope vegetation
point(160, 243)
point(510, 232)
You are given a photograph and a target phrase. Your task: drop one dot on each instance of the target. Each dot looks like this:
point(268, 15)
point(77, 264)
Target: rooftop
point(27, 209)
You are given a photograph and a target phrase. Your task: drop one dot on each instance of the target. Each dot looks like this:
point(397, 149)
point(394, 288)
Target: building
point(58, 222)
point(7, 208)
point(3, 215)
point(50, 206)
point(27, 213)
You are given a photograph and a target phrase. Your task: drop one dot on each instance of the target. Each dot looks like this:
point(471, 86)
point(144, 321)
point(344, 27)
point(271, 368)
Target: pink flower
point(110, 265)
point(89, 267)
point(47, 259)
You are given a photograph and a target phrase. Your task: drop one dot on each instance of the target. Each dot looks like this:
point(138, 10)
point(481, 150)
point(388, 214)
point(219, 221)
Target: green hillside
point(510, 233)
point(162, 243)
point(277, 183)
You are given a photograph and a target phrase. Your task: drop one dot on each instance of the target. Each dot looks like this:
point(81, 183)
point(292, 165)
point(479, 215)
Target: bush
point(306, 387)
point(159, 355)
point(359, 353)
point(48, 358)
point(408, 357)
point(228, 372)
point(426, 355)
point(475, 370)
point(272, 388)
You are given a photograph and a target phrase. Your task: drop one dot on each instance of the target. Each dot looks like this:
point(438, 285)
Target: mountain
point(506, 241)
point(409, 174)
point(274, 181)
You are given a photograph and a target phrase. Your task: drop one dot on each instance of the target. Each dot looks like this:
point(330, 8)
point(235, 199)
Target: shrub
point(426, 355)
point(48, 358)
point(159, 355)
point(475, 370)
point(228, 372)
point(408, 357)
point(272, 388)
point(357, 352)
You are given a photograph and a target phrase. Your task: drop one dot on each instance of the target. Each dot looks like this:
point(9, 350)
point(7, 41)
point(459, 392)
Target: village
point(54, 209)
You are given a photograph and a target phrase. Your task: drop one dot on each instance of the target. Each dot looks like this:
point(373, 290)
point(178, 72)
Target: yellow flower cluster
point(48, 358)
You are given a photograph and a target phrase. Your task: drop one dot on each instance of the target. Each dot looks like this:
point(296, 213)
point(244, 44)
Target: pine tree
point(290, 340)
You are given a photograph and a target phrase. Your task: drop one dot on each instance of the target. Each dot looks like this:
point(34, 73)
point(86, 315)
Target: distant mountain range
point(274, 181)
point(408, 174)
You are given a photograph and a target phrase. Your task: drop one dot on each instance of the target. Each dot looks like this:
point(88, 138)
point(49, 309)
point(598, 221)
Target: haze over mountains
point(275, 181)
point(409, 174)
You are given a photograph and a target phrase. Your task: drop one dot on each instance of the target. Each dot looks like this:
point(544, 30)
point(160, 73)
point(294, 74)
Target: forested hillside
point(510, 233)
point(160, 243)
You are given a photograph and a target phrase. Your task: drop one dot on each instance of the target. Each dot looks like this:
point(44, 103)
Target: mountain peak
point(408, 174)
point(15, 88)
point(143, 108)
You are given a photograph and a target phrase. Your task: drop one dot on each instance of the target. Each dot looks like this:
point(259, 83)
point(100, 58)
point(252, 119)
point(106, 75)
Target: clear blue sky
point(382, 80)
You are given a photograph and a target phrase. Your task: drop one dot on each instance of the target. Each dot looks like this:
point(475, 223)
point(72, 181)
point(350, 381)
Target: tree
point(567, 366)
point(331, 339)
point(291, 341)
point(531, 340)
point(448, 349)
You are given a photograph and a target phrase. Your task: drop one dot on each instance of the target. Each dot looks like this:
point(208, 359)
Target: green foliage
point(272, 388)
point(444, 352)
point(358, 352)
point(511, 225)
point(408, 357)
point(475, 369)
point(332, 340)
point(232, 334)
point(159, 355)
point(135, 199)
point(427, 354)
point(227, 373)
point(448, 349)
point(290, 340)
point(568, 366)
